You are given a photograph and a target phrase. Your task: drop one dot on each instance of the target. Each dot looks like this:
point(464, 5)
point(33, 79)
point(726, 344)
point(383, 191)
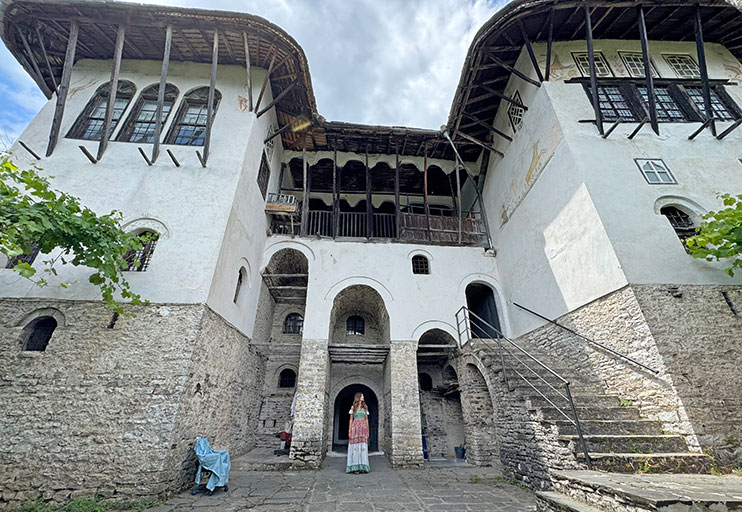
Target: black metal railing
point(593, 342)
point(469, 326)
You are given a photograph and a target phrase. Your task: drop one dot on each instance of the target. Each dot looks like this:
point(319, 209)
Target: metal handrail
point(466, 318)
point(604, 347)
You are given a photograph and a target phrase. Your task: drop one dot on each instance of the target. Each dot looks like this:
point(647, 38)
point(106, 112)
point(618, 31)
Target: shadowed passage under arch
point(343, 404)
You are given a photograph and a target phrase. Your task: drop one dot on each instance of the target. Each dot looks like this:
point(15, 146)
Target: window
point(420, 265)
point(139, 260)
point(140, 125)
point(89, 125)
point(614, 102)
point(722, 111)
point(683, 65)
point(655, 171)
point(241, 277)
point(680, 222)
point(189, 128)
point(264, 174)
point(515, 113)
point(37, 334)
point(583, 63)
point(426, 381)
point(28, 257)
point(355, 325)
point(293, 324)
point(634, 62)
point(667, 109)
point(287, 378)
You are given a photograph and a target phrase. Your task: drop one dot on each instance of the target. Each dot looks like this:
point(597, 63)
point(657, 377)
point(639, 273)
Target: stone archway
point(341, 418)
point(479, 418)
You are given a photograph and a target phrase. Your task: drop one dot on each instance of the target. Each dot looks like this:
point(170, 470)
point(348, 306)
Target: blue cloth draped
point(216, 461)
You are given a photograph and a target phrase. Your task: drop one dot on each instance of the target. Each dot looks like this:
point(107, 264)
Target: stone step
point(574, 376)
point(579, 400)
point(682, 462)
point(549, 501)
point(608, 427)
point(521, 386)
point(629, 443)
point(591, 413)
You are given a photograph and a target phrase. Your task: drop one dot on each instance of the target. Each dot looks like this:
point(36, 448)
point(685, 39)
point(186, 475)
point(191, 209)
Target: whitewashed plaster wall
point(415, 303)
point(191, 202)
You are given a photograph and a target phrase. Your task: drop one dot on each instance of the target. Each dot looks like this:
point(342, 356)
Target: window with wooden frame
point(241, 278)
point(89, 124)
point(36, 335)
point(515, 113)
point(293, 324)
point(722, 105)
point(655, 171)
point(140, 125)
point(264, 174)
point(28, 257)
point(634, 62)
point(189, 128)
point(680, 222)
point(683, 65)
point(582, 59)
point(615, 101)
point(420, 265)
point(139, 260)
point(666, 106)
point(287, 378)
point(355, 325)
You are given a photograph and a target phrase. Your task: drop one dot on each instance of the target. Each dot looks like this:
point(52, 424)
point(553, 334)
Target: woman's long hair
point(358, 403)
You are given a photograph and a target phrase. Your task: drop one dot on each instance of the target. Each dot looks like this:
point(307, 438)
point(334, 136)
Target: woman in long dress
point(358, 437)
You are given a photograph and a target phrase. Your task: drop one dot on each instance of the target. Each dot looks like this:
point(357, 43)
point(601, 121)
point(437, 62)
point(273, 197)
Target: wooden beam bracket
point(144, 155)
point(25, 146)
point(172, 157)
point(638, 127)
point(613, 127)
point(705, 125)
point(87, 153)
point(730, 129)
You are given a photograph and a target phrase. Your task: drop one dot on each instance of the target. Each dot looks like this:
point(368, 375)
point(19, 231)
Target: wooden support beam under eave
point(63, 88)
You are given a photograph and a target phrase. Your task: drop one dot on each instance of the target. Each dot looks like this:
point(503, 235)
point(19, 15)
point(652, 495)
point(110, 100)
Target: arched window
point(420, 265)
point(680, 222)
point(426, 381)
point(139, 260)
point(241, 278)
point(36, 335)
point(140, 125)
point(293, 324)
point(89, 125)
point(189, 128)
point(356, 325)
point(28, 257)
point(287, 379)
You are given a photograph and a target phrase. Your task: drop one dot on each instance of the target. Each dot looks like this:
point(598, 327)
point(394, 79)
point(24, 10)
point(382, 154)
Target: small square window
point(683, 65)
point(634, 62)
point(582, 59)
point(515, 113)
point(655, 171)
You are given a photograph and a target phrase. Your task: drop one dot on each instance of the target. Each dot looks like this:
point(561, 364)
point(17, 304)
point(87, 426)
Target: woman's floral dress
point(358, 443)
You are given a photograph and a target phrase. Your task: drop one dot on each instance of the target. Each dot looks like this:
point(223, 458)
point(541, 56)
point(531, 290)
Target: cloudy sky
point(388, 62)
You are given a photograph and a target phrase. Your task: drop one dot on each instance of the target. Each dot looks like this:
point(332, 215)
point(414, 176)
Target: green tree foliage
point(720, 235)
point(32, 215)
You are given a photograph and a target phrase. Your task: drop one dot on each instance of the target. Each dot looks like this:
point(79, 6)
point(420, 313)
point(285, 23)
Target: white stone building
point(299, 255)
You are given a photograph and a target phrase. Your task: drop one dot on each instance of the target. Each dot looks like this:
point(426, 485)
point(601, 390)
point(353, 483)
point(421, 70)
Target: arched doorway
point(479, 418)
point(343, 404)
point(480, 299)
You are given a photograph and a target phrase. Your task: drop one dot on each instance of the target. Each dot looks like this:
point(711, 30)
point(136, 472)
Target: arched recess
point(692, 208)
point(342, 403)
point(141, 224)
point(479, 417)
point(280, 245)
point(37, 313)
point(494, 285)
point(365, 302)
point(433, 325)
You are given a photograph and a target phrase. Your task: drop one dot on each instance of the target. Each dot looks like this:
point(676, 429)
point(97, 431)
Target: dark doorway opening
point(343, 404)
point(481, 301)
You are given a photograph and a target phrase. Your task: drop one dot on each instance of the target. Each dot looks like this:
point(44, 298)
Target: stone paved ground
point(331, 490)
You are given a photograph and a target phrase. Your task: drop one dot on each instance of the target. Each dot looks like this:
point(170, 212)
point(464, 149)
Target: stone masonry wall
point(406, 445)
point(115, 410)
point(443, 415)
point(479, 418)
point(275, 409)
point(698, 334)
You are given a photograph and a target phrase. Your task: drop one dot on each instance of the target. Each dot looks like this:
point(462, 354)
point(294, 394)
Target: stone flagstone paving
point(331, 490)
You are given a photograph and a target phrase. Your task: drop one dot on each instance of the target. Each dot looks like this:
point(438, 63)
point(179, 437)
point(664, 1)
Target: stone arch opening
point(37, 333)
point(441, 414)
point(479, 418)
point(343, 403)
point(480, 299)
point(354, 302)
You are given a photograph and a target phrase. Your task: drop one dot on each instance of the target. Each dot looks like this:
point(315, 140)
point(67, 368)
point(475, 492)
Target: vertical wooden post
point(265, 83)
point(369, 205)
point(210, 106)
point(548, 44)
point(458, 197)
point(425, 190)
point(161, 93)
point(114, 85)
point(46, 57)
point(649, 79)
point(305, 185)
point(335, 192)
point(249, 74)
point(64, 86)
point(531, 54)
point(704, 71)
point(593, 74)
point(396, 189)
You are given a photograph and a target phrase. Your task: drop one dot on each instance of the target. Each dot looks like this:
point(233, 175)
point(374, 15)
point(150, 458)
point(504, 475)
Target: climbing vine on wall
point(720, 235)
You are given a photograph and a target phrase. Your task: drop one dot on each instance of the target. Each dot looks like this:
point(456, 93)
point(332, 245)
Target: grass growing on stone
point(96, 504)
